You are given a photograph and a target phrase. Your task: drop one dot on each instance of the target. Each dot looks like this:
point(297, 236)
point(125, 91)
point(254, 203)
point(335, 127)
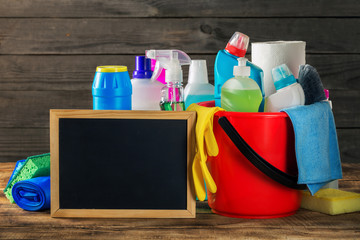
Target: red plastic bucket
point(242, 190)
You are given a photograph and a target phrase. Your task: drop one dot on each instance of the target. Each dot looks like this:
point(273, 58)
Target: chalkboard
point(121, 163)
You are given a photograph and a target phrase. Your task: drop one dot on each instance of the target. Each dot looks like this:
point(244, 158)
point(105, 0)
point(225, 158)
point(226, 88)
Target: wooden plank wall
point(49, 51)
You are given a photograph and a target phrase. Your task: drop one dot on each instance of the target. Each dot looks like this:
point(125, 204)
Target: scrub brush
point(310, 81)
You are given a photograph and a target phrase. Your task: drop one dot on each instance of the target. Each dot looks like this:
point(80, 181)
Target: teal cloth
point(316, 144)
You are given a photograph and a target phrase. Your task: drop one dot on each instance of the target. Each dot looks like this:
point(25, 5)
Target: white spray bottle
point(172, 95)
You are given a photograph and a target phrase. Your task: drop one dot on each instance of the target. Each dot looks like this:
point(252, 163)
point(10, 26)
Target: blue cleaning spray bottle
point(226, 60)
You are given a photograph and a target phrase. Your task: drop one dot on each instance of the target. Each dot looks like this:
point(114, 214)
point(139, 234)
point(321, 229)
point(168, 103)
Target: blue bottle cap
point(282, 76)
point(142, 67)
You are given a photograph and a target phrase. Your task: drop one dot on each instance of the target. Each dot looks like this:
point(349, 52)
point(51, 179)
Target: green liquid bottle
point(172, 97)
point(241, 93)
point(172, 106)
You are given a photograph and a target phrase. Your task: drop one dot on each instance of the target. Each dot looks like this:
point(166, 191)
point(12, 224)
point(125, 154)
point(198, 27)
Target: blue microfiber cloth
point(32, 194)
point(316, 144)
point(17, 168)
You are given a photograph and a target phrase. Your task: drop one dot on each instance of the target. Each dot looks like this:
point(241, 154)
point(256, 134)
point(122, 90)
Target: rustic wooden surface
point(49, 51)
point(166, 8)
point(16, 223)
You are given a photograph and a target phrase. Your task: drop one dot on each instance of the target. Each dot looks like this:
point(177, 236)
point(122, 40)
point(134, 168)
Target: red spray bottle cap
point(238, 44)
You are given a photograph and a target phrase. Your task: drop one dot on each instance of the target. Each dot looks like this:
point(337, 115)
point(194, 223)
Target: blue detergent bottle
point(111, 88)
point(226, 60)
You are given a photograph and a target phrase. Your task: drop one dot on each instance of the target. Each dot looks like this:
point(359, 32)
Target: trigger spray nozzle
point(171, 60)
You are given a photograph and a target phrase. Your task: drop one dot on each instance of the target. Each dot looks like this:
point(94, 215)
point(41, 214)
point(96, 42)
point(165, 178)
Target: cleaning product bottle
point(198, 88)
point(289, 92)
point(111, 88)
point(172, 95)
point(226, 60)
point(146, 93)
point(241, 93)
point(327, 94)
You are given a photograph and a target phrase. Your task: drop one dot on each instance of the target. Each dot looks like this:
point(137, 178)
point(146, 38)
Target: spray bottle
point(226, 59)
point(172, 95)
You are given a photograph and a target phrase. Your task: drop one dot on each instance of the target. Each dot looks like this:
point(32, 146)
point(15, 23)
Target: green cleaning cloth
point(34, 166)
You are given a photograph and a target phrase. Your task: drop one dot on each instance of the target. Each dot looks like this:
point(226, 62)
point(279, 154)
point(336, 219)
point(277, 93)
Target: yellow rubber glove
point(205, 146)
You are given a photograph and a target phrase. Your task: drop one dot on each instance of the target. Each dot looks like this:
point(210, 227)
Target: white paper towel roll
point(268, 55)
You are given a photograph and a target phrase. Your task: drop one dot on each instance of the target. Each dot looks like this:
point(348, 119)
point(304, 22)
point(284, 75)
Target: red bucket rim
point(244, 114)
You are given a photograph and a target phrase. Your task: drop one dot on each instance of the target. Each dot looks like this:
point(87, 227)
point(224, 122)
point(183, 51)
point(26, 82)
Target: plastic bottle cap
point(242, 69)
point(282, 76)
point(198, 72)
point(111, 68)
point(238, 44)
point(327, 93)
point(174, 75)
point(142, 67)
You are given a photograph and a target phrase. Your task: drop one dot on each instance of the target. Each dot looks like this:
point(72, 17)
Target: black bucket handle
point(260, 163)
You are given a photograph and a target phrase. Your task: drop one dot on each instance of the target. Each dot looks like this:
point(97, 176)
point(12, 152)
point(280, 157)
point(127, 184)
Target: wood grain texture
point(76, 72)
point(49, 51)
point(186, 8)
point(349, 142)
point(193, 35)
point(351, 173)
point(31, 108)
point(31, 85)
point(16, 223)
point(19, 143)
point(351, 186)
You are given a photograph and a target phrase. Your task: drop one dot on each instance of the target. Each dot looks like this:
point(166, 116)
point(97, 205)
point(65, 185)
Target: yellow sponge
point(331, 201)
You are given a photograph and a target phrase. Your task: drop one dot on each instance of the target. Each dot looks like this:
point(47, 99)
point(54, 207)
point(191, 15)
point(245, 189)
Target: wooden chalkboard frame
point(56, 211)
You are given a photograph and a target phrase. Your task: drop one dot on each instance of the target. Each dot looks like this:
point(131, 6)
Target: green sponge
point(331, 201)
point(34, 166)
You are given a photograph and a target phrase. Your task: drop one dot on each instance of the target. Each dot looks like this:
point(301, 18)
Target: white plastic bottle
point(198, 88)
point(241, 93)
point(146, 93)
point(289, 93)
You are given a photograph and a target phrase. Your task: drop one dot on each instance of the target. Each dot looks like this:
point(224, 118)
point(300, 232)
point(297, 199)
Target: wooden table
point(16, 223)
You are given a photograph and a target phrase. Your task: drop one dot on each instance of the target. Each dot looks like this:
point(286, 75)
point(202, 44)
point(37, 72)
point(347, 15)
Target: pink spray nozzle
point(161, 77)
point(238, 44)
point(327, 94)
point(153, 62)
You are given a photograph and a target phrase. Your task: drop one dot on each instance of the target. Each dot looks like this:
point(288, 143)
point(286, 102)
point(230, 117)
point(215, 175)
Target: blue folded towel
point(32, 194)
point(316, 144)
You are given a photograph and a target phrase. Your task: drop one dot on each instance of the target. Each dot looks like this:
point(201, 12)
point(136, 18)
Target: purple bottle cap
point(142, 67)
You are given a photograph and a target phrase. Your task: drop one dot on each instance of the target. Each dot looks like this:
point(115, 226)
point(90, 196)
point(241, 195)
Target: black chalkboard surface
point(121, 163)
